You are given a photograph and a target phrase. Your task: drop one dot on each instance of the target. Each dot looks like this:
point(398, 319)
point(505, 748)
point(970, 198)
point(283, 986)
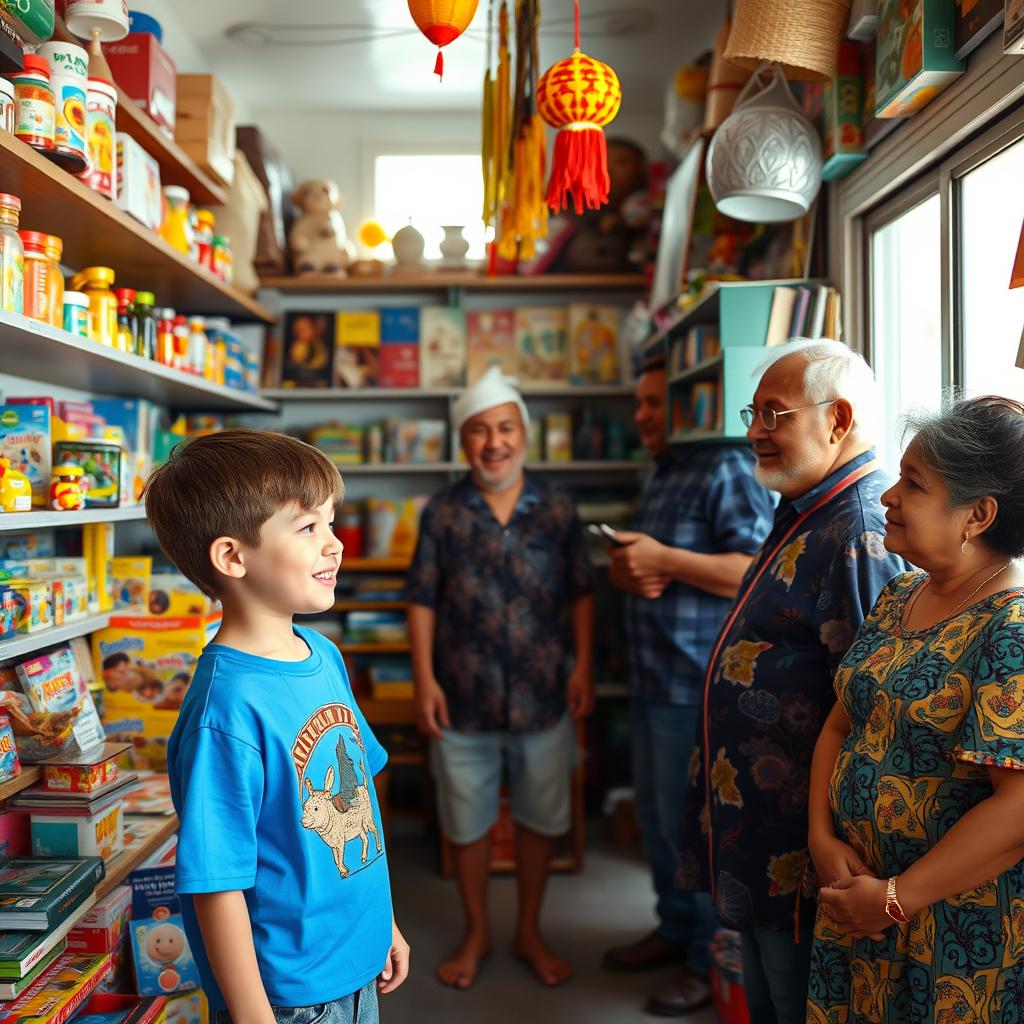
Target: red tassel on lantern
point(579, 96)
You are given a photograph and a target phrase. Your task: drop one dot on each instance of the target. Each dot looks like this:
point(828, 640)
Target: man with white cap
point(500, 598)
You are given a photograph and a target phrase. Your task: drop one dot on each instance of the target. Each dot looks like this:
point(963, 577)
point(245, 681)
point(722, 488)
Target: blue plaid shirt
point(704, 499)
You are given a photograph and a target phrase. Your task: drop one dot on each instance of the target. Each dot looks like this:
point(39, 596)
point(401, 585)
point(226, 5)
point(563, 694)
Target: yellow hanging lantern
point(442, 22)
point(579, 96)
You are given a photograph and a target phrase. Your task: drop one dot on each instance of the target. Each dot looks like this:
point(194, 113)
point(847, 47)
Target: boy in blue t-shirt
point(281, 865)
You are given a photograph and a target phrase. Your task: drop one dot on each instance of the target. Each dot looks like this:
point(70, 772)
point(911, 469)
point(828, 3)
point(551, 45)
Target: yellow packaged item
point(146, 664)
point(98, 548)
point(173, 596)
point(129, 581)
point(35, 611)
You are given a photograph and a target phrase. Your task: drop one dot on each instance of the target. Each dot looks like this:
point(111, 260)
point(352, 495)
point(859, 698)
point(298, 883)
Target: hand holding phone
point(607, 534)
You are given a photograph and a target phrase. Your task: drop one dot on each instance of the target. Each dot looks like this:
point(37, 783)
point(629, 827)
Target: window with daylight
point(431, 190)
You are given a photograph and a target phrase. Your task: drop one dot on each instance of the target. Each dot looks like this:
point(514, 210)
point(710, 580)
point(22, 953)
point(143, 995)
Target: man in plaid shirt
point(700, 518)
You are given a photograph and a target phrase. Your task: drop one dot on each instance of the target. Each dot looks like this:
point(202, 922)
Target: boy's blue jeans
point(358, 1008)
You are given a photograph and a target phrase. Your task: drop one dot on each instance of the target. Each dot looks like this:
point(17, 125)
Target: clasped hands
point(855, 897)
point(638, 565)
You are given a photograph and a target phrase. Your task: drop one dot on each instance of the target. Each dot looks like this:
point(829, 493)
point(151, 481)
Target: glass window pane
point(992, 210)
point(431, 190)
point(906, 305)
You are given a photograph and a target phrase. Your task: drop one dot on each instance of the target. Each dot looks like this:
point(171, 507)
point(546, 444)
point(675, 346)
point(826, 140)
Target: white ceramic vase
point(407, 245)
point(453, 247)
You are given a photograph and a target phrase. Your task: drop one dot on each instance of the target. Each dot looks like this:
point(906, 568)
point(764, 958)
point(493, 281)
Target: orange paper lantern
point(579, 96)
point(442, 21)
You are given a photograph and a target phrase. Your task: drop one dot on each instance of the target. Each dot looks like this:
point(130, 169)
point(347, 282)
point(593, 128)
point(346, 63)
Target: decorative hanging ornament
point(579, 96)
point(442, 22)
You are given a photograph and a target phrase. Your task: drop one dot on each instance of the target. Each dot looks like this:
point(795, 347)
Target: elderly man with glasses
point(768, 687)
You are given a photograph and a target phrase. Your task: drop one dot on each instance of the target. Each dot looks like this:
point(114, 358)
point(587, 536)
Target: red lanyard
point(741, 600)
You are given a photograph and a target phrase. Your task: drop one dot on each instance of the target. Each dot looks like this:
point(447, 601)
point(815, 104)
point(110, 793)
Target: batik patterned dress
point(930, 711)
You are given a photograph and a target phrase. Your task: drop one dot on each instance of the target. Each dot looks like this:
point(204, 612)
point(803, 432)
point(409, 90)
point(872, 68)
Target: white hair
point(833, 370)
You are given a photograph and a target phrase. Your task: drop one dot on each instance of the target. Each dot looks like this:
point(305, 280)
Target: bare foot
point(460, 969)
point(550, 969)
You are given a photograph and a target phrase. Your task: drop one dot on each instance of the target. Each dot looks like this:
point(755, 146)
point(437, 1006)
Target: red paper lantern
point(442, 21)
point(579, 96)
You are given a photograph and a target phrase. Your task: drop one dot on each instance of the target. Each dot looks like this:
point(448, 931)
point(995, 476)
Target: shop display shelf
point(22, 522)
point(389, 468)
point(370, 606)
point(425, 394)
point(442, 280)
point(27, 644)
point(30, 774)
point(176, 166)
point(707, 369)
point(588, 466)
point(375, 564)
point(688, 436)
point(40, 352)
point(388, 712)
point(121, 866)
point(375, 648)
point(97, 233)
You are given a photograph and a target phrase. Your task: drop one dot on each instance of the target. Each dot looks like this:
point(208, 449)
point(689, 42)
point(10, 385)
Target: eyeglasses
point(770, 417)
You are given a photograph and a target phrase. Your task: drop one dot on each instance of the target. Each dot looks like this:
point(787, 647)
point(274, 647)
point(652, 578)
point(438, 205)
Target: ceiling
point(367, 55)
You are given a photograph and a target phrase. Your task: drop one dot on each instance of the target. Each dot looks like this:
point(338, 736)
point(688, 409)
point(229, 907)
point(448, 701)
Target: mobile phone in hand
point(607, 534)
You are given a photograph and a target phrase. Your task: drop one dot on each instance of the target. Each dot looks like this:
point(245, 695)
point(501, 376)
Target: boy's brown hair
point(228, 484)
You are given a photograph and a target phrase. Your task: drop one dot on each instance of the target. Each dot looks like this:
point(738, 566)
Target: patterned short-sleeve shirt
point(501, 595)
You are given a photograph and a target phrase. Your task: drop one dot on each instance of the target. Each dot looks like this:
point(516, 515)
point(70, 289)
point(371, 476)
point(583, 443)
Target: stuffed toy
point(318, 241)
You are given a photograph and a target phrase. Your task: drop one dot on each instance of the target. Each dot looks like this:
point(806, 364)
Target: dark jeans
point(358, 1008)
point(776, 973)
point(663, 739)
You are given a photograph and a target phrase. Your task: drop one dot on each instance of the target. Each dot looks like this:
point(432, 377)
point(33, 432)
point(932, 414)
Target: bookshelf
point(29, 775)
point(428, 280)
point(21, 646)
point(121, 866)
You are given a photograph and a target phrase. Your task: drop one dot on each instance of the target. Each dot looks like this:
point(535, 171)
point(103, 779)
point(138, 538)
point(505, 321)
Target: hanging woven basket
point(801, 36)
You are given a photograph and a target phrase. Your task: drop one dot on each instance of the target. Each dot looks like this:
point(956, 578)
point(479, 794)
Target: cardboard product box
point(205, 124)
point(163, 960)
point(173, 596)
point(138, 182)
point(148, 76)
point(146, 664)
point(915, 59)
point(844, 115)
point(98, 548)
point(26, 439)
point(14, 834)
point(34, 610)
point(104, 928)
point(100, 834)
point(188, 1008)
point(239, 219)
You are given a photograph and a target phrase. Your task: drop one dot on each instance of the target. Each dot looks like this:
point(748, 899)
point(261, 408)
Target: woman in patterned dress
point(917, 786)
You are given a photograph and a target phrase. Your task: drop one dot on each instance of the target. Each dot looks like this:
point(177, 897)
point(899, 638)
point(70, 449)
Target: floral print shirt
point(501, 595)
point(770, 693)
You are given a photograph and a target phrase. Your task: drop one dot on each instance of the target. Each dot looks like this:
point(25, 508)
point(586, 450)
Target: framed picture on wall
point(976, 20)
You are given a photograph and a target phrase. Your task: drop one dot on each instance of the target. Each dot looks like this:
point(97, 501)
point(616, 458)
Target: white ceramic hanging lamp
point(764, 163)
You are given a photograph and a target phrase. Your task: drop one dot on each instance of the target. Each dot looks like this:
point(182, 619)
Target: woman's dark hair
point(976, 446)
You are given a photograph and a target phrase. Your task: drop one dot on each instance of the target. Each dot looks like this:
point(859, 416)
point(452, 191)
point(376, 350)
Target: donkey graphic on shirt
point(338, 816)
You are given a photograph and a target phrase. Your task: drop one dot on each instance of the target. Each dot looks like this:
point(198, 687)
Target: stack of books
point(391, 679)
point(375, 627)
point(41, 900)
point(804, 311)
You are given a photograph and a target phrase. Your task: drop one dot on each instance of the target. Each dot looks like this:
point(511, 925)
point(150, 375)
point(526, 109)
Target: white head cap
point(491, 390)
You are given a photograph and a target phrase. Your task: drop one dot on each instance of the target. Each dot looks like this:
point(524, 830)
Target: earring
point(967, 548)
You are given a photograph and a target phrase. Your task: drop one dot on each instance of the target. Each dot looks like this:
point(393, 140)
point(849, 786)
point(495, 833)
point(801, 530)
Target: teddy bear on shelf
point(318, 241)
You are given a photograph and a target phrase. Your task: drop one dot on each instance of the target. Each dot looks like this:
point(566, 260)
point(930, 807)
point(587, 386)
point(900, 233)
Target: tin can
point(76, 314)
point(101, 111)
point(69, 79)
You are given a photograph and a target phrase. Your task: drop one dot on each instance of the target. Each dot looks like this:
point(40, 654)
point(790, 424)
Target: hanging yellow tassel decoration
point(487, 117)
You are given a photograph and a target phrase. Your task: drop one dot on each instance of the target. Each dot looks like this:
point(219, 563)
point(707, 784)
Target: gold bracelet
point(892, 904)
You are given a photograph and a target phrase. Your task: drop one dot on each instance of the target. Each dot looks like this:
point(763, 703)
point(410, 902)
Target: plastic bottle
point(205, 222)
point(181, 344)
point(127, 327)
point(200, 354)
point(35, 109)
point(12, 256)
point(96, 282)
point(145, 325)
point(165, 337)
point(55, 281)
point(176, 230)
point(39, 273)
point(76, 313)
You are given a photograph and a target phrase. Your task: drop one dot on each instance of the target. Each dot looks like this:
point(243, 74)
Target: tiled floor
point(609, 903)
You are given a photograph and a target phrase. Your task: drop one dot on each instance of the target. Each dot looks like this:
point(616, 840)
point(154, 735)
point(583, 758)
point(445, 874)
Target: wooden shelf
point(370, 606)
point(40, 352)
point(96, 233)
point(121, 866)
point(388, 712)
point(395, 648)
point(707, 369)
point(434, 394)
point(587, 466)
point(391, 468)
point(21, 522)
point(687, 436)
point(441, 280)
point(374, 564)
point(176, 166)
point(30, 774)
point(580, 466)
point(27, 644)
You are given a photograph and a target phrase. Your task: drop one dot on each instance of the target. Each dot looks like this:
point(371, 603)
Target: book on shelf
point(594, 343)
point(58, 992)
point(308, 350)
point(151, 796)
point(490, 341)
point(38, 893)
point(375, 627)
point(400, 347)
point(442, 347)
point(781, 316)
point(357, 350)
point(10, 988)
point(391, 678)
point(542, 356)
point(418, 442)
point(20, 952)
point(558, 437)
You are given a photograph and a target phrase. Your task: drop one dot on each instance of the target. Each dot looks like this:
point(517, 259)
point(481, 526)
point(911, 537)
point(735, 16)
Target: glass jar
point(12, 256)
point(40, 270)
point(145, 325)
point(35, 112)
point(127, 326)
point(96, 283)
point(76, 313)
point(55, 282)
point(176, 230)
